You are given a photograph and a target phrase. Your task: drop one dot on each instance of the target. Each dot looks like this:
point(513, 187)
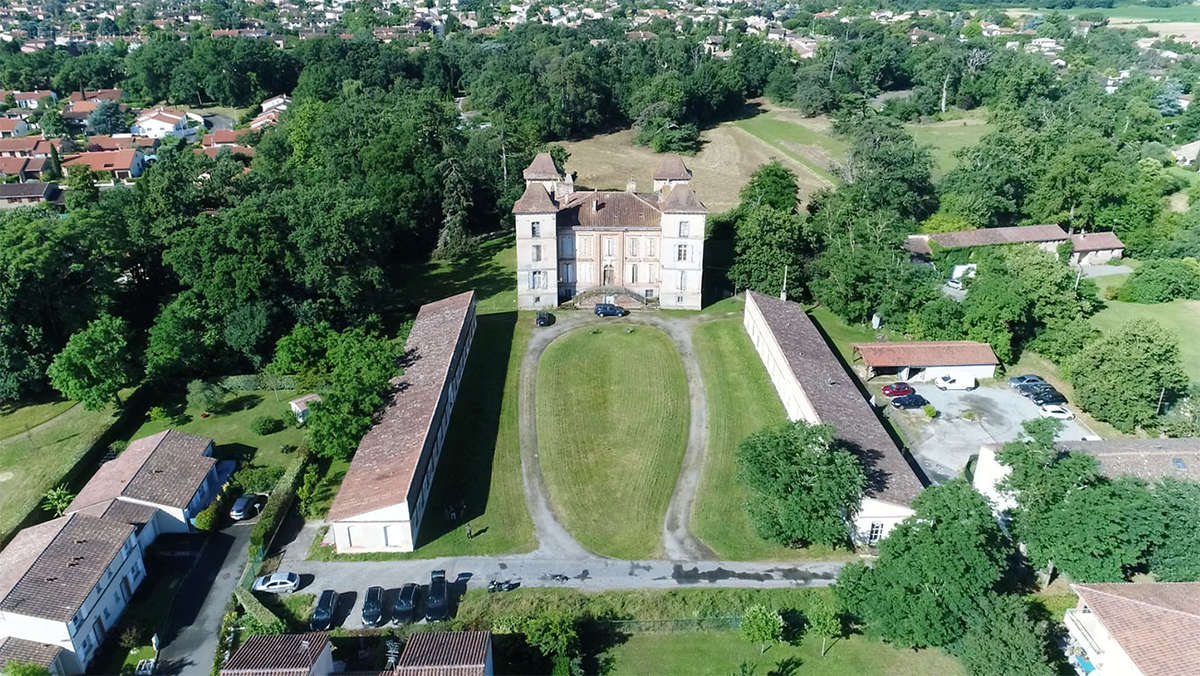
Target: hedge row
point(268, 621)
point(258, 381)
point(276, 508)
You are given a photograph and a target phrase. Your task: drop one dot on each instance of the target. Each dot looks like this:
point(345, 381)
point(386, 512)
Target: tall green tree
point(95, 364)
point(363, 363)
point(1003, 640)
point(768, 245)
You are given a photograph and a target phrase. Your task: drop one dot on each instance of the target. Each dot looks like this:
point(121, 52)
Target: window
point(537, 253)
point(537, 279)
point(633, 246)
point(684, 229)
point(535, 229)
point(876, 532)
point(568, 272)
point(651, 245)
point(566, 247)
point(649, 293)
point(633, 274)
point(682, 280)
point(585, 246)
point(610, 246)
point(681, 252)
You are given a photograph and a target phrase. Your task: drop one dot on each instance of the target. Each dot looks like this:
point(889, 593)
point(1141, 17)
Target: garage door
point(399, 536)
point(365, 537)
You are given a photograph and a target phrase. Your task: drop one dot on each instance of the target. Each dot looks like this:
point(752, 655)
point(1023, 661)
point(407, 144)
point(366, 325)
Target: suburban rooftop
point(165, 469)
point(1156, 623)
point(925, 353)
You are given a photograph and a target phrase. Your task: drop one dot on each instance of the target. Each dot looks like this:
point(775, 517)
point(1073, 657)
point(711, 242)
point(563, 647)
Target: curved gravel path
point(553, 539)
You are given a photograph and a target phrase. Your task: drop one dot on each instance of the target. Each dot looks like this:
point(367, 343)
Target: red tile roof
point(535, 200)
point(1096, 241)
point(671, 168)
point(682, 200)
point(1021, 234)
point(11, 166)
point(223, 137)
point(610, 209)
point(388, 457)
point(542, 168)
point(925, 353)
point(277, 655)
point(8, 124)
point(213, 151)
point(1155, 623)
point(445, 653)
point(103, 160)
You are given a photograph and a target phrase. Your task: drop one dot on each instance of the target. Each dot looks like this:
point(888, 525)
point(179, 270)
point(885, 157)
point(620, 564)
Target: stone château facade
point(609, 243)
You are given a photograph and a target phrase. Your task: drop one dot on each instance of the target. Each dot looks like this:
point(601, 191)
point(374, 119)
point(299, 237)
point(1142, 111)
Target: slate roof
point(445, 653)
point(682, 200)
point(610, 209)
point(26, 190)
point(1020, 234)
point(1155, 623)
point(671, 168)
point(838, 402)
point(277, 655)
point(1148, 459)
point(535, 200)
point(29, 652)
point(49, 569)
point(925, 353)
point(1096, 241)
point(542, 168)
point(164, 469)
point(385, 465)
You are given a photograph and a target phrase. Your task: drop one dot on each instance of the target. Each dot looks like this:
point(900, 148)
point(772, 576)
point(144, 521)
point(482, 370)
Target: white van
point(952, 383)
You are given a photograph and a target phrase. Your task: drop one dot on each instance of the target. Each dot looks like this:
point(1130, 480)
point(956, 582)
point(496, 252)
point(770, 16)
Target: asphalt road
point(189, 647)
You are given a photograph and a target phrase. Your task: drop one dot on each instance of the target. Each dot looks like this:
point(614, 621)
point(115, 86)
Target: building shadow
point(196, 585)
point(462, 484)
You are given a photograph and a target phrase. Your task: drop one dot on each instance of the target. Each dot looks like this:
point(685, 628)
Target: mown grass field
point(33, 462)
point(1180, 317)
point(612, 407)
point(15, 420)
point(724, 652)
point(741, 401)
point(948, 137)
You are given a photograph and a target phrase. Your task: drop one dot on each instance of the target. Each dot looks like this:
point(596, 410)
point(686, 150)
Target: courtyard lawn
point(35, 461)
point(20, 418)
point(741, 400)
point(612, 407)
point(724, 652)
point(229, 426)
point(1180, 317)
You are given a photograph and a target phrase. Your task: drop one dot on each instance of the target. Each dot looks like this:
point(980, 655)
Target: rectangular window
point(585, 246)
point(566, 247)
point(537, 253)
point(651, 245)
point(610, 246)
point(537, 279)
point(633, 246)
point(682, 280)
point(684, 229)
point(633, 274)
point(875, 533)
point(681, 252)
point(649, 293)
point(535, 229)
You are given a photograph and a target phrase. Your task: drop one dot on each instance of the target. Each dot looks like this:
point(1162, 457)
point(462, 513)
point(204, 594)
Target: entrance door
point(608, 276)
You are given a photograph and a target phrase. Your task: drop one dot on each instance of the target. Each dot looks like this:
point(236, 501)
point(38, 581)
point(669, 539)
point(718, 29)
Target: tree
point(1122, 377)
point(52, 124)
point(767, 247)
point(82, 192)
point(804, 488)
point(1176, 557)
point(1003, 640)
point(95, 364)
point(931, 569)
point(205, 395)
point(456, 205)
point(363, 363)
point(552, 632)
point(887, 168)
point(57, 500)
point(762, 625)
point(1162, 280)
point(18, 668)
point(108, 118)
point(824, 619)
point(771, 185)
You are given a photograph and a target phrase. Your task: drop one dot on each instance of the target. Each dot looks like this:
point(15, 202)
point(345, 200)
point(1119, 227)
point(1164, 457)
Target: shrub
point(264, 425)
point(930, 411)
point(132, 637)
point(277, 506)
point(158, 414)
point(257, 479)
point(57, 500)
point(288, 449)
point(209, 518)
point(118, 447)
point(260, 619)
point(205, 395)
point(763, 626)
point(1162, 280)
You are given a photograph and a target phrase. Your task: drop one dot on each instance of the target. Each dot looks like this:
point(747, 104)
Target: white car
point(277, 583)
point(952, 383)
point(1056, 411)
point(955, 283)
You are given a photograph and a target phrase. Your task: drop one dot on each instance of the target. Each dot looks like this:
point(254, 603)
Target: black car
point(609, 310)
point(372, 612)
point(406, 604)
point(437, 605)
point(1048, 396)
point(910, 401)
point(1032, 389)
point(322, 617)
point(544, 319)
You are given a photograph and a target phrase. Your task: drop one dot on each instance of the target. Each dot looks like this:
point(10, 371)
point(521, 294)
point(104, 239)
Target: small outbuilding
point(300, 406)
point(929, 360)
point(1095, 248)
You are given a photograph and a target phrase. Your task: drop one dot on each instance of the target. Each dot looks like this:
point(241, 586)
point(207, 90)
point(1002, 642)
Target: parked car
point(1050, 396)
point(910, 401)
point(437, 605)
point(322, 617)
point(406, 604)
point(955, 283)
point(372, 610)
point(609, 310)
point(1057, 411)
point(544, 319)
point(897, 390)
point(1027, 379)
point(952, 383)
point(247, 506)
point(277, 583)
point(1035, 389)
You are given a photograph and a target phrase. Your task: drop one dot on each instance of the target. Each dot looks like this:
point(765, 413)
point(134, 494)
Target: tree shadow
point(787, 666)
point(794, 624)
point(418, 283)
point(241, 402)
point(599, 634)
point(238, 452)
point(462, 483)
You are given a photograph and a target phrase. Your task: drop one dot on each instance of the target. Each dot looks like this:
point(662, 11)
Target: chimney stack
point(631, 185)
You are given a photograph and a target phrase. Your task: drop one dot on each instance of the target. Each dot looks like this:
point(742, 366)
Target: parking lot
point(991, 414)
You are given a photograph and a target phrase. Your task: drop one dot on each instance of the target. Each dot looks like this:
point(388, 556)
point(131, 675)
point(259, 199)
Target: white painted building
point(66, 583)
point(815, 387)
point(382, 500)
point(919, 360)
point(1135, 629)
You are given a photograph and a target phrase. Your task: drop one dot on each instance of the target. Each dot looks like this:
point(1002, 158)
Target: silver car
point(277, 583)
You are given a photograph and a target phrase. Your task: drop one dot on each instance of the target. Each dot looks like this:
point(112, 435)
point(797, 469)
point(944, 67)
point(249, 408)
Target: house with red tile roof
point(120, 164)
point(434, 653)
point(11, 127)
point(1125, 628)
point(925, 360)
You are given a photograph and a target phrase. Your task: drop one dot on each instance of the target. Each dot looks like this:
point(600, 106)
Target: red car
point(898, 390)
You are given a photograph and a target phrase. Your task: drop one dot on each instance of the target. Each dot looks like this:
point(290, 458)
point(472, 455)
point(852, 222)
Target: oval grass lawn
point(612, 409)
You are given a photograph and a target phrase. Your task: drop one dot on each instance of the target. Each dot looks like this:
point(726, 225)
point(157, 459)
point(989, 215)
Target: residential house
point(24, 168)
point(609, 245)
point(928, 360)
point(1044, 237)
point(460, 653)
point(34, 98)
point(300, 405)
point(279, 102)
point(1095, 248)
point(308, 654)
point(815, 387)
point(97, 95)
point(66, 582)
point(223, 137)
point(120, 164)
point(11, 127)
point(383, 497)
point(29, 146)
point(1186, 153)
point(162, 122)
point(271, 110)
point(157, 484)
point(50, 657)
point(1127, 628)
point(13, 195)
point(99, 142)
point(213, 151)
